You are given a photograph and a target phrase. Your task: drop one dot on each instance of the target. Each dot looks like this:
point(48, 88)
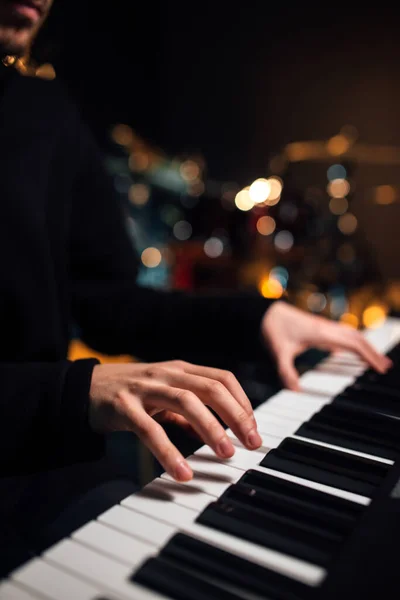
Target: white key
point(167, 512)
point(54, 583)
point(12, 591)
point(345, 450)
point(325, 384)
point(274, 424)
point(92, 566)
point(119, 546)
point(178, 493)
point(209, 477)
point(242, 459)
point(316, 486)
point(144, 528)
point(269, 441)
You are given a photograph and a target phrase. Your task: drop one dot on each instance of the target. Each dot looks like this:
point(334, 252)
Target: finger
point(225, 377)
point(214, 394)
point(154, 437)
point(167, 416)
point(287, 372)
point(344, 338)
point(187, 404)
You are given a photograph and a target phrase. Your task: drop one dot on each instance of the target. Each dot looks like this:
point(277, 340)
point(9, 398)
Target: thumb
point(288, 373)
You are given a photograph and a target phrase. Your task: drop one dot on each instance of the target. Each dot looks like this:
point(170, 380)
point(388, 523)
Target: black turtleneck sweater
point(66, 258)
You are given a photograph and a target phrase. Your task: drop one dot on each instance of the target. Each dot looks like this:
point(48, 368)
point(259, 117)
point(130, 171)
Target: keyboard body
point(314, 513)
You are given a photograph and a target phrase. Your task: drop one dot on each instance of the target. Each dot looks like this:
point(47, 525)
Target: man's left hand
point(289, 331)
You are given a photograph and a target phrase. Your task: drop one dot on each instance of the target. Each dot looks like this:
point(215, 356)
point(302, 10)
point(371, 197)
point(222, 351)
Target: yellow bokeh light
point(276, 186)
point(266, 225)
point(259, 190)
point(374, 315)
point(151, 257)
point(338, 206)
point(139, 194)
point(243, 200)
point(337, 188)
point(347, 224)
point(385, 194)
point(338, 144)
point(270, 288)
point(122, 134)
point(46, 71)
point(349, 319)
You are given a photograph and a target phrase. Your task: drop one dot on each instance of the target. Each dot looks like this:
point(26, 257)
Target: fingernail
point(182, 471)
point(225, 448)
point(253, 439)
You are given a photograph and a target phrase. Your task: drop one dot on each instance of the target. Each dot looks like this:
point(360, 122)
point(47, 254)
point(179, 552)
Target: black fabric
point(66, 259)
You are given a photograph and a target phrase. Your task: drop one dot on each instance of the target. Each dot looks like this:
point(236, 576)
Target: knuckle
point(216, 388)
point(178, 364)
point(214, 429)
point(184, 398)
point(243, 418)
point(228, 378)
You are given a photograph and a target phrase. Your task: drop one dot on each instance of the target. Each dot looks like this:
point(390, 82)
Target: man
point(67, 258)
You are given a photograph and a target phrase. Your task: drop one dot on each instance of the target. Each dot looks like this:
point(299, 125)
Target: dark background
point(237, 82)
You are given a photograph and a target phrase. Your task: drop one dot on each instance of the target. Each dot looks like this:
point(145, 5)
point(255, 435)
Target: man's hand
point(289, 331)
point(133, 396)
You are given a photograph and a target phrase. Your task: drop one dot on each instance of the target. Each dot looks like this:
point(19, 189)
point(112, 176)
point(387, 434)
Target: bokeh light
point(347, 223)
point(139, 194)
point(316, 302)
point(336, 172)
point(243, 200)
point(266, 225)
point(189, 170)
point(349, 319)
point(374, 316)
point(213, 247)
point(337, 188)
point(338, 206)
point(385, 194)
point(283, 241)
point(270, 288)
point(182, 230)
point(151, 257)
point(276, 186)
point(337, 145)
point(122, 134)
point(259, 190)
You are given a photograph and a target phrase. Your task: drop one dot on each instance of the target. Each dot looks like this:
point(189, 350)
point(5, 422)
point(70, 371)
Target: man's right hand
point(128, 396)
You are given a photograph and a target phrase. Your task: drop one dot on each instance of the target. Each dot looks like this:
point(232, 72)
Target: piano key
point(102, 570)
point(343, 511)
point(164, 575)
point(224, 566)
point(242, 459)
point(107, 540)
point(12, 591)
point(324, 465)
point(178, 493)
point(273, 530)
point(54, 583)
point(144, 528)
point(286, 565)
point(317, 442)
point(356, 398)
point(324, 384)
point(167, 512)
point(210, 477)
point(356, 429)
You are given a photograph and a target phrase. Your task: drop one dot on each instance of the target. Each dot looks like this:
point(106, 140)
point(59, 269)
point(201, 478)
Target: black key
point(324, 465)
point(342, 512)
point(390, 379)
point(356, 429)
point(381, 403)
point(164, 576)
point(314, 513)
point(213, 563)
point(272, 530)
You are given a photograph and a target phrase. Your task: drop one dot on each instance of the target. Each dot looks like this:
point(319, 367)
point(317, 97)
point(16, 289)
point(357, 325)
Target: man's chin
point(15, 42)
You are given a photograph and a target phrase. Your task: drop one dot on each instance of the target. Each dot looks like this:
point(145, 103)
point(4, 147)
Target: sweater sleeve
point(43, 412)
point(115, 315)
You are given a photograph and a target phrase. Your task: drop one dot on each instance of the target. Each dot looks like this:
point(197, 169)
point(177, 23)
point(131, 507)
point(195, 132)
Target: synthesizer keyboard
point(314, 513)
